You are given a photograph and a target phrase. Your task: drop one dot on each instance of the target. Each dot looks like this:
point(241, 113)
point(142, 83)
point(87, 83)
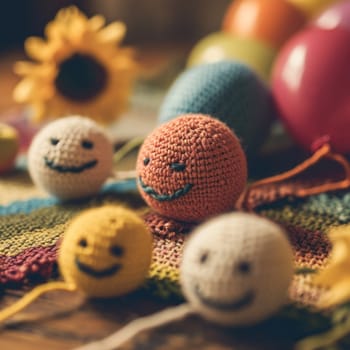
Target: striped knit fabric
point(306, 220)
point(31, 231)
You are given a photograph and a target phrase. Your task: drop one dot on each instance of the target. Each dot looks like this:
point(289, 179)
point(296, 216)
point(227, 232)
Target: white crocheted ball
point(236, 269)
point(71, 158)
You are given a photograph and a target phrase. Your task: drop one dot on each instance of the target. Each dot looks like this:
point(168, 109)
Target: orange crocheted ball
point(191, 168)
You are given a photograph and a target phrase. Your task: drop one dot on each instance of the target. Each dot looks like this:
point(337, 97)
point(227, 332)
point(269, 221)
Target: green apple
point(9, 146)
point(222, 46)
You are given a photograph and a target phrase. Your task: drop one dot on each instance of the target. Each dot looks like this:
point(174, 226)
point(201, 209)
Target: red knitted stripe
point(30, 264)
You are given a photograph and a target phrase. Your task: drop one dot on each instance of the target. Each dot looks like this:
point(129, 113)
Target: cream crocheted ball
point(237, 268)
point(71, 158)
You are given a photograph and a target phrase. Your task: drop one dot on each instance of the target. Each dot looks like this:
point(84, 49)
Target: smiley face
point(70, 158)
point(106, 252)
point(236, 269)
point(191, 168)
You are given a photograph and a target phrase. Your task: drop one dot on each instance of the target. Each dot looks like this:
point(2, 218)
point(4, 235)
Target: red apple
point(337, 16)
point(311, 85)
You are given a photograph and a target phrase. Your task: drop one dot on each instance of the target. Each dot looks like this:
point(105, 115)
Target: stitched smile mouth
point(164, 197)
point(65, 169)
point(234, 305)
point(97, 273)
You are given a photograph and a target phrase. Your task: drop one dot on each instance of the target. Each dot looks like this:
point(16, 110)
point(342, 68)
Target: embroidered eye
point(146, 161)
point(117, 250)
point(243, 267)
point(178, 166)
point(83, 243)
point(204, 258)
point(54, 141)
point(87, 144)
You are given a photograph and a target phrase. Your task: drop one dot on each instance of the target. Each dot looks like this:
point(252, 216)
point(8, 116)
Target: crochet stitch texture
point(106, 251)
point(191, 168)
point(228, 91)
point(236, 268)
point(32, 230)
point(70, 158)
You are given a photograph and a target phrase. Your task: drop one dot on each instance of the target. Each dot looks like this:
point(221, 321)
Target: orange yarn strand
point(323, 153)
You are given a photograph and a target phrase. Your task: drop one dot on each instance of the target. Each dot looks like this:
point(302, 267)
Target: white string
point(141, 324)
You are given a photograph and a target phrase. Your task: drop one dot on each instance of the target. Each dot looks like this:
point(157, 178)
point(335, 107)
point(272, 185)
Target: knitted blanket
point(31, 230)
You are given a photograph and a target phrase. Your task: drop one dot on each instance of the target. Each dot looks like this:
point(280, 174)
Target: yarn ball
point(270, 21)
point(336, 16)
point(236, 269)
point(71, 158)
point(311, 87)
point(106, 251)
point(222, 46)
point(191, 168)
point(228, 91)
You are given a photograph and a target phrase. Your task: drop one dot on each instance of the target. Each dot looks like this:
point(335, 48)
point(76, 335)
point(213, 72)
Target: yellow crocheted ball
point(71, 158)
point(106, 252)
point(236, 269)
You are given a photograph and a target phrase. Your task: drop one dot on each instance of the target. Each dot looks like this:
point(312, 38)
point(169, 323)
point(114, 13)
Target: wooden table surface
point(60, 320)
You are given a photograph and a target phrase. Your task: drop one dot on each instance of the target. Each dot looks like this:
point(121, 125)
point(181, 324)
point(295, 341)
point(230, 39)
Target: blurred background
point(270, 38)
point(148, 21)
point(162, 31)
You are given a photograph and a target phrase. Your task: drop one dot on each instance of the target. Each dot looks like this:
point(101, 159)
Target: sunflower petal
point(54, 31)
point(69, 33)
point(96, 22)
point(37, 48)
point(45, 71)
point(68, 24)
point(24, 90)
point(23, 67)
point(29, 89)
point(124, 57)
point(114, 32)
point(74, 21)
point(69, 14)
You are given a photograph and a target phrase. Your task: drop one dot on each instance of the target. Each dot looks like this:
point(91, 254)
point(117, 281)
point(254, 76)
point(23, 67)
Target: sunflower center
point(81, 77)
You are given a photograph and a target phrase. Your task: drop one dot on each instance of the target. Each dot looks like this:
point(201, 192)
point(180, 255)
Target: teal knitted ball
point(228, 91)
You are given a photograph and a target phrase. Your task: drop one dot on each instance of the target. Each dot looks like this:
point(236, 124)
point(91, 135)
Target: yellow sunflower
point(79, 69)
